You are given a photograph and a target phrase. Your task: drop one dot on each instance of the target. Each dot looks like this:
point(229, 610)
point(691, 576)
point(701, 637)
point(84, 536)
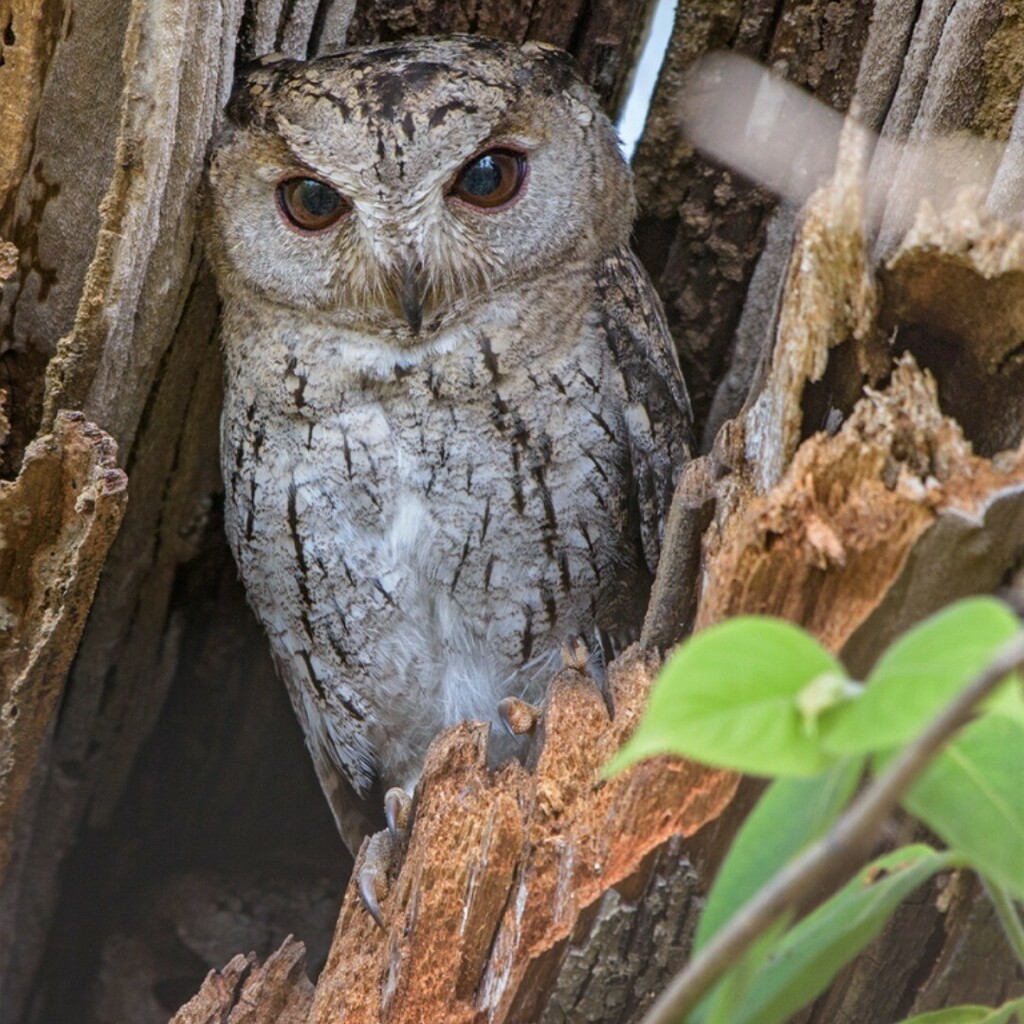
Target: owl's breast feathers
point(418, 546)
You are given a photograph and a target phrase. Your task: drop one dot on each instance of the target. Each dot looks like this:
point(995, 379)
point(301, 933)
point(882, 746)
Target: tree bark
point(859, 393)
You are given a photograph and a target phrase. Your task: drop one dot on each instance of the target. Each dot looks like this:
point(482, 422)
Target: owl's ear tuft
point(556, 71)
point(250, 105)
point(539, 46)
point(550, 68)
point(270, 59)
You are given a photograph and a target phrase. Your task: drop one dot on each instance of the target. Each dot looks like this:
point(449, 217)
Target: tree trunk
point(860, 400)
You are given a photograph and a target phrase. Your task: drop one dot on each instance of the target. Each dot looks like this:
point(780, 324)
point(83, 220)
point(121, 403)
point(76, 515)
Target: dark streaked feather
point(642, 349)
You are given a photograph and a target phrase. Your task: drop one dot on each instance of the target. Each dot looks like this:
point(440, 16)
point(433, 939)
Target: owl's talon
point(397, 812)
point(368, 894)
point(518, 716)
point(576, 653)
point(380, 854)
point(383, 852)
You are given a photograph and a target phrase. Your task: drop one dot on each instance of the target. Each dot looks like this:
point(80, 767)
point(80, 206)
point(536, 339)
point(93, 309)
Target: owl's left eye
point(310, 204)
point(491, 179)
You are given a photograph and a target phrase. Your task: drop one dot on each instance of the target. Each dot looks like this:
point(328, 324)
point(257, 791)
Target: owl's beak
point(410, 296)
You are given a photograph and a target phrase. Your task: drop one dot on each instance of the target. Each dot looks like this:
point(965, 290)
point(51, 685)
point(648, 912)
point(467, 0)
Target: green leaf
point(790, 815)
point(973, 796)
point(809, 956)
point(727, 697)
point(821, 694)
point(919, 674)
point(1007, 701)
point(1005, 1014)
point(1009, 917)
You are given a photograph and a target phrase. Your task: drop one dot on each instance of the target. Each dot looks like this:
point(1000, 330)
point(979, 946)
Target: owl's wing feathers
point(657, 414)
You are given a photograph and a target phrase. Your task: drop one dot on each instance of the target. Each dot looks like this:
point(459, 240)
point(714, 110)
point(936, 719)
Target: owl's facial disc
point(398, 189)
point(490, 181)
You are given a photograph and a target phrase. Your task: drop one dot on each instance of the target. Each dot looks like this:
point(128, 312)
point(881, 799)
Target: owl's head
point(390, 187)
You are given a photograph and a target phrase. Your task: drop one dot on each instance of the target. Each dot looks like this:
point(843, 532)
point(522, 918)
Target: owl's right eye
point(310, 204)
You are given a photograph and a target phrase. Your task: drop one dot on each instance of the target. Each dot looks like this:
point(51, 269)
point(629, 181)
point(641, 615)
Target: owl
point(453, 416)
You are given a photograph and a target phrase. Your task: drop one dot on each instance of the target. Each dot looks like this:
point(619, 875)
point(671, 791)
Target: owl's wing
point(657, 413)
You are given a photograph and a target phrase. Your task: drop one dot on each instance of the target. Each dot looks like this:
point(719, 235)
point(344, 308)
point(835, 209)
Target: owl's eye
point(310, 204)
point(492, 179)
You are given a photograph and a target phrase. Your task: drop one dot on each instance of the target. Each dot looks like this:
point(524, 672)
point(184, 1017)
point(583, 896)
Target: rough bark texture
point(860, 400)
point(529, 857)
point(57, 520)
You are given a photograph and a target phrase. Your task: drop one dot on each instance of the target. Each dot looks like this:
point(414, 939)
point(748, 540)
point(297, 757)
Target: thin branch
point(847, 843)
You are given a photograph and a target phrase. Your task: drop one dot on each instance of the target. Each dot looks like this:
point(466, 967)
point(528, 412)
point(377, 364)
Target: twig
point(847, 843)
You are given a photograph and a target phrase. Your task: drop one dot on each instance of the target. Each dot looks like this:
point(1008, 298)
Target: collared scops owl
point(453, 415)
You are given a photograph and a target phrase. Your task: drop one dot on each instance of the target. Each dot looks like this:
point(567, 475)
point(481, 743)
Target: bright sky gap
point(638, 102)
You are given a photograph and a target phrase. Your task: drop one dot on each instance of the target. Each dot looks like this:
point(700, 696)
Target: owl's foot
point(519, 717)
point(384, 853)
point(373, 875)
point(576, 653)
point(589, 660)
point(398, 813)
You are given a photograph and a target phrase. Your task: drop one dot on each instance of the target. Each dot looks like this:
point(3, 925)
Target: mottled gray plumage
point(424, 505)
